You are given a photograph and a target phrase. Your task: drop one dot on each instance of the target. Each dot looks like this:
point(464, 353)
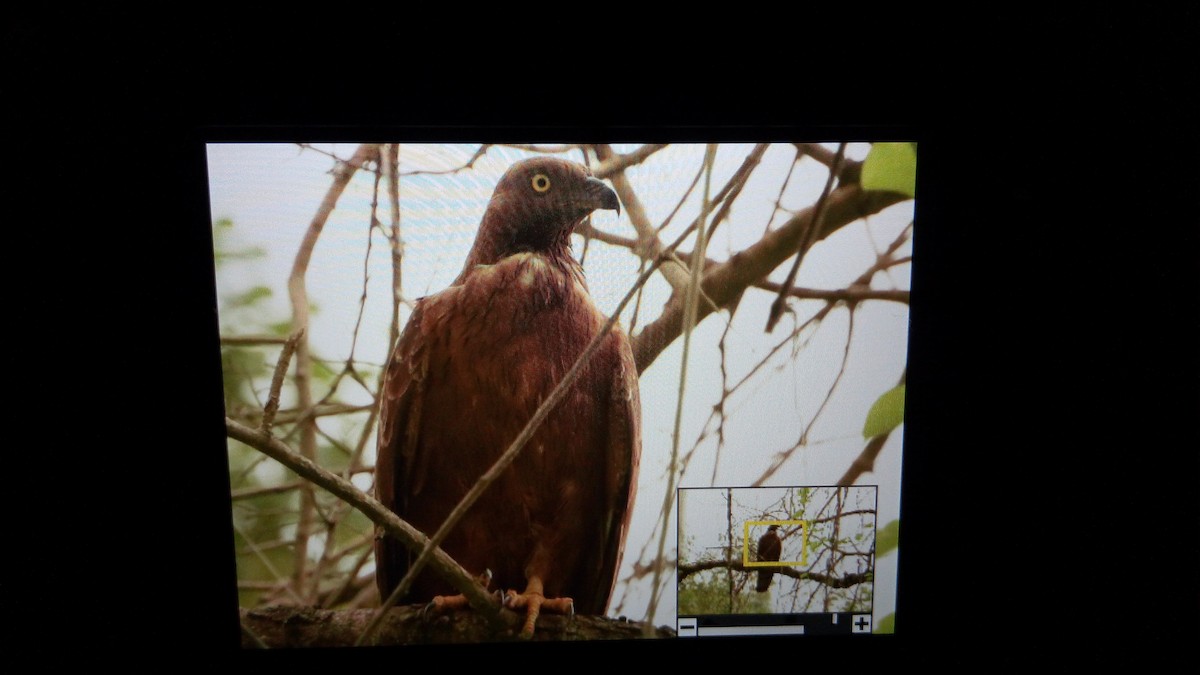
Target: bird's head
point(537, 204)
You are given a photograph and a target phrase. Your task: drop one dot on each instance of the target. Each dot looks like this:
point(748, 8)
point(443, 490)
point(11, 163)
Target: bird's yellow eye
point(541, 182)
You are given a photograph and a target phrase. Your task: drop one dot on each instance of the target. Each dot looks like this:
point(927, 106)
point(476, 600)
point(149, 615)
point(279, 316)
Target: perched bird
point(467, 373)
point(770, 547)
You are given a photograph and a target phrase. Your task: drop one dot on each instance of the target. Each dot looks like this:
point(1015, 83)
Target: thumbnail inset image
point(794, 550)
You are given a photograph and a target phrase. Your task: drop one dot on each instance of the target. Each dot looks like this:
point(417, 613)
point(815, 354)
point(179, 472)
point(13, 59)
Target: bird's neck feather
point(498, 238)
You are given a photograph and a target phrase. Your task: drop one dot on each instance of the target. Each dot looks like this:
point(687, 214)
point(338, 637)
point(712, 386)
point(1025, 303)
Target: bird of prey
point(770, 547)
point(467, 373)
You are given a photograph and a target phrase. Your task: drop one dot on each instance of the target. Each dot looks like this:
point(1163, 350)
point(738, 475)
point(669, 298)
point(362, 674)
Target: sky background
point(270, 192)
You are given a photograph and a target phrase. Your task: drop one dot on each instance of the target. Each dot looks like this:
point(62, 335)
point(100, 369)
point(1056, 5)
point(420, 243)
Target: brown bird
point(467, 373)
point(770, 547)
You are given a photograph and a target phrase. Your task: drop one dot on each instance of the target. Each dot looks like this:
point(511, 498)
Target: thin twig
point(281, 365)
point(541, 149)
point(444, 172)
point(719, 408)
point(379, 514)
point(693, 298)
point(676, 274)
point(266, 562)
point(851, 171)
point(725, 282)
point(254, 638)
point(251, 493)
point(298, 295)
point(615, 162)
point(853, 293)
point(827, 580)
point(251, 340)
point(294, 415)
point(807, 242)
point(865, 462)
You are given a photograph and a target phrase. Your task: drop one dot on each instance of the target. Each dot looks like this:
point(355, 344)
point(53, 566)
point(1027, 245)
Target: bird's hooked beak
point(602, 196)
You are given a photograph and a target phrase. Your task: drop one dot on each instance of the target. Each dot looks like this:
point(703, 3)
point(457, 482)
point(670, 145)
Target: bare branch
point(285, 357)
point(251, 340)
point(441, 563)
point(832, 581)
point(395, 238)
point(615, 163)
point(725, 282)
point(692, 298)
point(298, 627)
point(544, 149)
point(675, 273)
point(851, 171)
point(806, 243)
point(251, 493)
point(470, 164)
point(853, 293)
point(865, 462)
point(294, 415)
point(298, 295)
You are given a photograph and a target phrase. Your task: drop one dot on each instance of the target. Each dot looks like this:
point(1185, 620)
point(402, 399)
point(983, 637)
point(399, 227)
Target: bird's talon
point(427, 610)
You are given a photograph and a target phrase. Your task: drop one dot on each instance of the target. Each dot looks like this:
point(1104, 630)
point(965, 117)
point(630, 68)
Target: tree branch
point(851, 171)
point(648, 242)
point(615, 163)
point(285, 357)
point(725, 282)
point(290, 627)
point(251, 340)
point(806, 243)
point(850, 579)
point(442, 563)
point(298, 295)
point(853, 293)
point(865, 462)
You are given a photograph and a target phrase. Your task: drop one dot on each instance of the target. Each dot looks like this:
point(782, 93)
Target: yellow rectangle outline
point(746, 562)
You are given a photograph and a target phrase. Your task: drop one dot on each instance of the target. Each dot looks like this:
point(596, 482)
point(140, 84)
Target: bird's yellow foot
point(534, 603)
point(446, 603)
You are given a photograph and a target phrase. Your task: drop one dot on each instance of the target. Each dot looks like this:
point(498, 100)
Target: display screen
point(725, 460)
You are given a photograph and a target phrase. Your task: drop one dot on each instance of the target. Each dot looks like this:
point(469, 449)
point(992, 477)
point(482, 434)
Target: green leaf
point(251, 253)
point(886, 414)
point(250, 297)
point(891, 167)
point(281, 328)
point(887, 624)
point(888, 539)
point(321, 371)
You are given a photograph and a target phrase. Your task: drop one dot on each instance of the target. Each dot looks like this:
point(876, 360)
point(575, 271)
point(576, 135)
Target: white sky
point(271, 191)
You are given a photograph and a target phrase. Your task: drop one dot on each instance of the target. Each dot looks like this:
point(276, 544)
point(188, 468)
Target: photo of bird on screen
point(769, 548)
point(470, 369)
point(467, 385)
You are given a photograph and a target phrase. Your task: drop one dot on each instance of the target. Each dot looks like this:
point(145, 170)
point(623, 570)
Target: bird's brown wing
point(397, 466)
point(770, 547)
point(623, 456)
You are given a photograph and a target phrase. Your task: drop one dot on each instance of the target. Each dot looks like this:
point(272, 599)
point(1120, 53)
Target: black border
point(1072, 379)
